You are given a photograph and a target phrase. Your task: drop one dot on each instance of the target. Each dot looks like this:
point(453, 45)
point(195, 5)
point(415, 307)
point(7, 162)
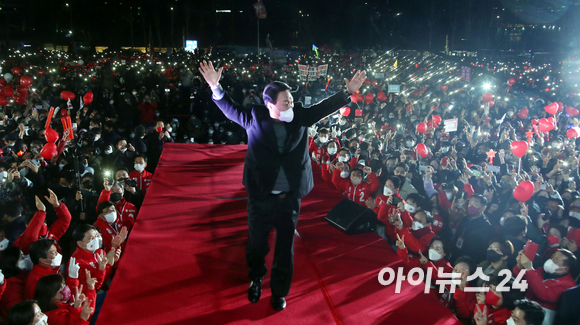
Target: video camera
point(128, 182)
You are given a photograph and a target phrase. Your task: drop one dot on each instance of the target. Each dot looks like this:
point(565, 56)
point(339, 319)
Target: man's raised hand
point(354, 84)
point(210, 75)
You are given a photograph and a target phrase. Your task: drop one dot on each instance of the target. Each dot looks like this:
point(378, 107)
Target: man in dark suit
point(277, 172)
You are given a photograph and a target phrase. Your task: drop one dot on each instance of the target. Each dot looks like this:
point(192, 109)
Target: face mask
point(409, 208)
point(210, 142)
point(550, 266)
point(342, 122)
point(132, 135)
point(229, 134)
point(342, 159)
point(408, 144)
point(56, 261)
point(387, 191)
point(134, 93)
point(575, 215)
point(391, 169)
point(434, 256)
point(139, 167)
point(323, 139)
point(502, 221)
point(22, 264)
point(331, 151)
point(344, 174)
point(413, 120)
point(417, 225)
point(93, 245)
point(123, 150)
point(356, 181)
point(510, 113)
point(491, 298)
point(449, 196)
point(116, 197)
point(287, 115)
point(111, 217)
point(42, 321)
point(4, 244)
point(391, 116)
point(510, 321)
point(108, 151)
point(210, 132)
point(473, 211)
point(66, 294)
point(493, 256)
point(61, 166)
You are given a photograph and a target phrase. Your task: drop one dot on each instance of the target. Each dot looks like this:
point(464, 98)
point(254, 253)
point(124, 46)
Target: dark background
point(349, 24)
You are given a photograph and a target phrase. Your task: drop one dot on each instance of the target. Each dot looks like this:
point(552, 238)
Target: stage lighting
point(486, 86)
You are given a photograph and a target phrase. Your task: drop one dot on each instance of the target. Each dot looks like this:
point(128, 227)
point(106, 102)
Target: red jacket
point(126, 211)
point(464, 304)
point(88, 261)
point(359, 193)
point(390, 230)
point(38, 271)
point(147, 112)
point(382, 200)
point(416, 240)
point(37, 229)
point(545, 292)
point(495, 316)
point(13, 294)
point(66, 314)
point(143, 179)
point(108, 231)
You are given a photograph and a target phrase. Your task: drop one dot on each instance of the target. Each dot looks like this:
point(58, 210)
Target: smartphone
point(422, 168)
point(36, 162)
point(476, 173)
point(543, 187)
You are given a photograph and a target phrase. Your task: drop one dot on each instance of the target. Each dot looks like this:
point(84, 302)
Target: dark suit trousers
point(263, 215)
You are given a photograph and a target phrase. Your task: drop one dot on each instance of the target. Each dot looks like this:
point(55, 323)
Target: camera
point(128, 182)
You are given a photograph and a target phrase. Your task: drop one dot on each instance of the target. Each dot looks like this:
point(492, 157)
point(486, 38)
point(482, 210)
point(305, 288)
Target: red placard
point(358, 112)
point(530, 250)
point(574, 234)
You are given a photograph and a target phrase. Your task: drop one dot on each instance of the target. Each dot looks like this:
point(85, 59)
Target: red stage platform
point(184, 262)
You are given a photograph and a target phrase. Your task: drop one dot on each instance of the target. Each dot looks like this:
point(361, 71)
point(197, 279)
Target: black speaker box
point(352, 218)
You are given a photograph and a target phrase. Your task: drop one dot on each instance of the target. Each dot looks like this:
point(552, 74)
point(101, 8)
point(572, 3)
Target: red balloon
point(519, 148)
point(51, 135)
point(88, 98)
point(381, 96)
point(345, 111)
point(551, 120)
point(443, 88)
point(423, 89)
point(422, 150)
point(17, 71)
point(9, 92)
point(487, 97)
point(226, 67)
point(26, 81)
point(571, 111)
point(511, 81)
point(491, 104)
point(253, 67)
point(64, 112)
point(367, 82)
point(66, 95)
point(523, 192)
point(3, 82)
point(93, 78)
point(48, 151)
point(22, 90)
point(545, 125)
point(41, 72)
point(552, 108)
point(415, 93)
point(445, 105)
point(560, 107)
point(354, 98)
point(21, 100)
point(535, 121)
point(523, 113)
point(436, 119)
point(369, 98)
point(4, 101)
point(431, 124)
point(572, 132)
point(374, 82)
point(422, 127)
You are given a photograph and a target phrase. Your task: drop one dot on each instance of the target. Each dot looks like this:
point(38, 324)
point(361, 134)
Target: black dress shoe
point(255, 290)
point(278, 303)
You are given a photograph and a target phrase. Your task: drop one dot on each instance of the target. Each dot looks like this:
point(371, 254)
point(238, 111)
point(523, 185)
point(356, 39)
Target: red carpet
point(185, 263)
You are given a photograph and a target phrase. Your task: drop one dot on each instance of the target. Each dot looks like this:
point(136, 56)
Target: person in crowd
point(26, 313)
point(568, 311)
point(140, 175)
point(496, 306)
point(46, 260)
point(53, 297)
point(355, 188)
point(14, 267)
point(474, 232)
point(402, 170)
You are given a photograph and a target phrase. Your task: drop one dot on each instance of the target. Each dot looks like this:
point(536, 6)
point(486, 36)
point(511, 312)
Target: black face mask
point(493, 256)
point(88, 184)
point(116, 197)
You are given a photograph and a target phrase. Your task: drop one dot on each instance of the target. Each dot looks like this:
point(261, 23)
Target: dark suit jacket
point(568, 311)
point(263, 159)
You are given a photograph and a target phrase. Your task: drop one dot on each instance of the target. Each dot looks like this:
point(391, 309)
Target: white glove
point(313, 131)
point(1, 278)
point(333, 132)
point(73, 269)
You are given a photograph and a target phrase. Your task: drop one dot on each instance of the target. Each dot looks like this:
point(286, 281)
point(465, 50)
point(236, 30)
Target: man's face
point(89, 236)
point(391, 163)
point(284, 102)
point(141, 161)
point(159, 124)
point(400, 171)
point(108, 210)
point(461, 267)
point(355, 174)
point(122, 144)
point(117, 189)
point(421, 218)
point(331, 145)
point(121, 174)
point(518, 316)
point(390, 185)
point(558, 258)
point(474, 202)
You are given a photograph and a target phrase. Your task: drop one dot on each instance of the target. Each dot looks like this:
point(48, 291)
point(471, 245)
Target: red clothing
point(147, 112)
point(35, 228)
point(326, 175)
point(464, 304)
point(495, 316)
point(66, 314)
point(38, 271)
point(545, 292)
point(390, 230)
point(359, 193)
point(126, 212)
point(13, 294)
point(88, 261)
point(417, 240)
point(315, 150)
point(382, 200)
point(143, 179)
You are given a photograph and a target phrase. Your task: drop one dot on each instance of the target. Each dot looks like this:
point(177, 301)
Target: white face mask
point(123, 150)
point(4, 244)
point(510, 321)
point(26, 263)
point(449, 196)
point(574, 214)
point(61, 166)
point(387, 191)
point(417, 225)
point(342, 159)
point(409, 208)
point(344, 174)
point(323, 139)
point(108, 151)
point(550, 266)
point(287, 115)
point(502, 221)
point(331, 151)
point(342, 122)
point(139, 167)
point(56, 261)
point(93, 245)
point(434, 256)
point(22, 264)
point(356, 181)
point(42, 321)
point(111, 217)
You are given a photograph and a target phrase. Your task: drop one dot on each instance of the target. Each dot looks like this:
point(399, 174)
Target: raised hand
point(423, 260)
point(39, 205)
point(481, 316)
point(211, 76)
point(367, 170)
point(53, 199)
point(102, 260)
point(79, 296)
point(106, 184)
point(73, 268)
point(87, 310)
point(400, 242)
point(312, 131)
point(90, 280)
point(111, 256)
point(354, 84)
point(371, 203)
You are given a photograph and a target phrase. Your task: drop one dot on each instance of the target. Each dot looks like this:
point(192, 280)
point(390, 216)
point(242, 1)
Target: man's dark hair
point(561, 229)
point(344, 149)
point(81, 231)
point(404, 165)
point(514, 226)
point(96, 121)
point(122, 168)
point(12, 208)
point(481, 198)
point(46, 288)
point(39, 249)
point(145, 157)
point(104, 205)
point(396, 181)
point(271, 91)
point(505, 246)
point(357, 170)
point(121, 139)
point(9, 262)
point(109, 124)
point(533, 312)
point(445, 243)
point(22, 313)
point(429, 218)
point(470, 263)
point(570, 261)
point(323, 131)
point(140, 131)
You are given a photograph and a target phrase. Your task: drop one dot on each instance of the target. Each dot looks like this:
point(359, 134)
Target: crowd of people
point(67, 218)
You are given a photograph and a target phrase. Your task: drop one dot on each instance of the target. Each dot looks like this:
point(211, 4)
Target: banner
point(394, 88)
point(260, 10)
point(466, 73)
point(450, 125)
point(308, 73)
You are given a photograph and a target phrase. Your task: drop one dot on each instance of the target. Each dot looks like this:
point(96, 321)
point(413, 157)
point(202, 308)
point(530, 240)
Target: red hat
point(437, 225)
